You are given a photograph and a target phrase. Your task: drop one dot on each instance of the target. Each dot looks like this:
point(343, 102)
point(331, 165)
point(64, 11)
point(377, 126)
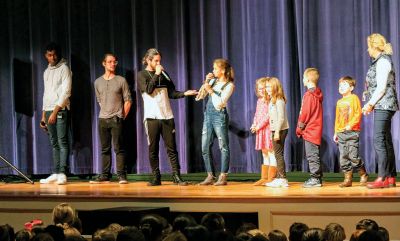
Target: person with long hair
point(219, 87)
point(381, 97)
point(157, 89)
point(262, 130)
point(279, 126)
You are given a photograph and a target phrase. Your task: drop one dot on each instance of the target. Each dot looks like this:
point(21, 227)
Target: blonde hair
point(63, 214)
point(349, 80)
point(378, 42)
point(261, 81)
point(224, 64)
point(312, 75)
point(277, 89)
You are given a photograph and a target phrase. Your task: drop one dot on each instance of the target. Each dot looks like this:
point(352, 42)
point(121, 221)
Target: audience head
point(313, 234)
point(213, 222)
point(277, 235)
point(296, 231)
point(22, 235)
point(222, 235)
point(244, 236)
point(356, 234)
point(334, 232)
point(77, 223)
point(175, 236)
point(55, 231)
point(259, 237)
point(44, 237)
point(367, 224)
point(63, 214)
point(383, 232)
point(245, 227)
point(152, 227)
point(130, 234)
point(6, 233)
point(370, 235)
point(104, 235)
point(114, 227)
point(182, 221)
point(196, 233)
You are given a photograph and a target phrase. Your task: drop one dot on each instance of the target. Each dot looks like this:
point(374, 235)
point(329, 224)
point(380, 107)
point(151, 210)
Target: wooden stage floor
point(244, 191)
point(277, 208)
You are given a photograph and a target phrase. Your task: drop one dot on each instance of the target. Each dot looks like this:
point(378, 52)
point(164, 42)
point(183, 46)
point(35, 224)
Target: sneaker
point(278, 182)
point(312, 182)
point(100, 179)
point(122, 180)
point(51, 179)
point(62, 179)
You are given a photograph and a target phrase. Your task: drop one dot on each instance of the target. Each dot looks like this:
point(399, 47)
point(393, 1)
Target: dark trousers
point(314, 162)
point(383, 143)
point(110, 130)
point(279, 148)
point(165, 129)
point(349, 156)
point(58, 135)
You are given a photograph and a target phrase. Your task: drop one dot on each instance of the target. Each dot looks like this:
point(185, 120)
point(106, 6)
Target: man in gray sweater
point(114, 98)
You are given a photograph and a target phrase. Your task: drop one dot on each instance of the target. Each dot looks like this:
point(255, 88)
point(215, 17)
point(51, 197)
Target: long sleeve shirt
point(156, 91)
point(383, 67)
point(348, 114)
point(221, 96)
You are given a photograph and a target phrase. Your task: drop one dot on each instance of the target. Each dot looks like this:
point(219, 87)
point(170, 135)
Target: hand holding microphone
point(160, 70)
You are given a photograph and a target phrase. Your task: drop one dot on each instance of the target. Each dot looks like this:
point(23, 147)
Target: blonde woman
point(381, 97)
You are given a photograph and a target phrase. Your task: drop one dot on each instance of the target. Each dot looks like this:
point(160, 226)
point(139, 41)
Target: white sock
point(266, 160)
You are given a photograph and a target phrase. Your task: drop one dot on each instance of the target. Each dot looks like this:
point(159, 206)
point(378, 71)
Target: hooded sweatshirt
point(57, 86)
point(309, 124)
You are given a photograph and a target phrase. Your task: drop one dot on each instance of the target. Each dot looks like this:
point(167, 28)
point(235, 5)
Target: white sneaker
point(51, 179)
point(278, 182)
point(62, 179)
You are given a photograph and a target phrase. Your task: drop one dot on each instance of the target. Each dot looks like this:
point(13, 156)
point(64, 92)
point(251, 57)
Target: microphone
point(165, 75)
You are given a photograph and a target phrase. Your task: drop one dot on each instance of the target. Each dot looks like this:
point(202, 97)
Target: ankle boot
point(271, 173)
point(177, 179)
point(348, 179)
point(210, 179)
point(222, 179)
point(264, 176)
point(156, 180)
point(363, 176)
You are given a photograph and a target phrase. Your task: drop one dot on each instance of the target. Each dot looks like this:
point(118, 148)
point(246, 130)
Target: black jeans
point(279, 148)
point(383, 143)
point(314, 162)
point(349, 156)
point(110, 130)
point(165, 128)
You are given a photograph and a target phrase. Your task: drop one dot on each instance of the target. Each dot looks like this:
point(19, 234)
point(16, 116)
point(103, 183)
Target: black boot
point(156, 180)
point(177, 179)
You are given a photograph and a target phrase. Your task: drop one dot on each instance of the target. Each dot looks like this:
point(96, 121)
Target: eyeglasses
point(112, 62)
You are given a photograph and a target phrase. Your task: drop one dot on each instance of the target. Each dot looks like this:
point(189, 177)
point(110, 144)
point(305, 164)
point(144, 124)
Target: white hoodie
point(57, 86)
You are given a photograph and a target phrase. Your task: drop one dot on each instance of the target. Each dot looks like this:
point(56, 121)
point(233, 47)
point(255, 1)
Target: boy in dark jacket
point(309, 125)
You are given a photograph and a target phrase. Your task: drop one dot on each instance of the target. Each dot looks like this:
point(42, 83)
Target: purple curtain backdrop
point(259, 37)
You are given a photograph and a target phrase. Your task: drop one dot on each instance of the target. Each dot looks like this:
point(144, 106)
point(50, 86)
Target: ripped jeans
point(215, 124)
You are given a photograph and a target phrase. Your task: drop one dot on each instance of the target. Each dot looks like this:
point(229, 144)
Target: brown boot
point(271, 173)
point(348, 179)
point(222, 179)
point(264, 176)
point(210, 179)
point(363, 176)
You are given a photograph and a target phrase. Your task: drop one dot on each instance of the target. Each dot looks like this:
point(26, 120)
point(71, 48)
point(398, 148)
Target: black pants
point(165, 128)
point(110, 130)
point(279, 148)
point(383, 143)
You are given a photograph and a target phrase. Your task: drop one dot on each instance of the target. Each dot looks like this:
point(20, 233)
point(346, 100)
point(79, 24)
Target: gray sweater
point(278, 116)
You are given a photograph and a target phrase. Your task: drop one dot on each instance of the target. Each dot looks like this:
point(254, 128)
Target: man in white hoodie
point(56, 105)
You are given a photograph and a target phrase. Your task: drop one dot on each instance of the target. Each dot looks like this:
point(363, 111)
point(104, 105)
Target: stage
point(277, 208)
